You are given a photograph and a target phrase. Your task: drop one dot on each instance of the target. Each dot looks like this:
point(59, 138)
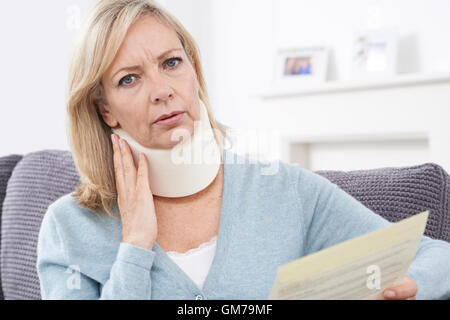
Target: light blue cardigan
point(271, 214)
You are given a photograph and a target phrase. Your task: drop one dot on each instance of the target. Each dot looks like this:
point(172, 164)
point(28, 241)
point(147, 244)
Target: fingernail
point(113, 138)
point(389, 294)
point(122, 144)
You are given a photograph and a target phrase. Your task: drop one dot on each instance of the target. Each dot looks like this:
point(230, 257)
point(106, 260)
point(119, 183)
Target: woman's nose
point(160, 90)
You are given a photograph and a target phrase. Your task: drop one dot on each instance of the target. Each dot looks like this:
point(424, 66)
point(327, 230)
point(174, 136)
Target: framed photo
point(301, 65)
point(375, 54)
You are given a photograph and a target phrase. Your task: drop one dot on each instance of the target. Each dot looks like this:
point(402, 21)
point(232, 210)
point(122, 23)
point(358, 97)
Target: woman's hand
point(405, 290)
point(134, 197)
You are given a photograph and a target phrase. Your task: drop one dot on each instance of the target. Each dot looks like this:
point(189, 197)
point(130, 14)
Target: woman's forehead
point(147, 40)
point(150, 34)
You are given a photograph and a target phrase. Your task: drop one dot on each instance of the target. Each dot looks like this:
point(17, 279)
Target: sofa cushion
point(7, 165)
point(37, 181)
point(399, 192)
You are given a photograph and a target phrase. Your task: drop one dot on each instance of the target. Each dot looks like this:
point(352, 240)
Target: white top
point(196, 262)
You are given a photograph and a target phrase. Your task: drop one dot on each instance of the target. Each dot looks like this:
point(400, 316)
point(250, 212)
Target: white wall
point(36, 39)
point(422, 26)
point(246, 33)
point(36, 42)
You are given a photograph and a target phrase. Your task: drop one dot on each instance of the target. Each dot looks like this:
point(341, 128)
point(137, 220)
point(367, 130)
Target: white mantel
point(362, 124)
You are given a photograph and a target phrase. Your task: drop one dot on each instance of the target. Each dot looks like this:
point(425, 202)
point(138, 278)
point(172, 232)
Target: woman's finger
point(129, 169)
point(118, 171)
point(406, 289)
point(142, 174)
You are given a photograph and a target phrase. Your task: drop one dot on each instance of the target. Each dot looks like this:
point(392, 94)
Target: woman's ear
point(102, 107)
point(105, 112)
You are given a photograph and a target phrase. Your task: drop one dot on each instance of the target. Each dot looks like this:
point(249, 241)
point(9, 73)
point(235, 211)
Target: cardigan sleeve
point(60, 279)
point(333, 216)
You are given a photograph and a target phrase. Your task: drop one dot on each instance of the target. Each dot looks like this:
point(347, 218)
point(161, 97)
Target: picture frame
point(375, 53)
point(301, 65)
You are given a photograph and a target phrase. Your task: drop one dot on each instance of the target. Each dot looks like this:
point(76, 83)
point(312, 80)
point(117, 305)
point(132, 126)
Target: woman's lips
point(171, 121)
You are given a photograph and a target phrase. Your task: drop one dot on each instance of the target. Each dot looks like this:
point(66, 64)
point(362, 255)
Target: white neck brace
point(189, 167)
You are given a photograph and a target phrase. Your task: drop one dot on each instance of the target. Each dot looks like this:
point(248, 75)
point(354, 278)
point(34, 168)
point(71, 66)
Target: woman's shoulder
point(274, 174)
point(253, 167)
point(67, 201)
point(79, 228)
point(67, 207)
point(71, 217)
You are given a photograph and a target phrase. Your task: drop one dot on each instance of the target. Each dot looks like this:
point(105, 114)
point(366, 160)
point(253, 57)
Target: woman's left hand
point(405, 290)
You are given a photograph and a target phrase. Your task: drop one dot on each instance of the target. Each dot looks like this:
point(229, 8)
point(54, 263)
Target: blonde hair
point(97, 43)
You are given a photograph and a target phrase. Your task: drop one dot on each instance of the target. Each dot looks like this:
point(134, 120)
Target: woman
point(223, 242)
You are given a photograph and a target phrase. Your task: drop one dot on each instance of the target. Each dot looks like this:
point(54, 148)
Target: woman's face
point(161, 81)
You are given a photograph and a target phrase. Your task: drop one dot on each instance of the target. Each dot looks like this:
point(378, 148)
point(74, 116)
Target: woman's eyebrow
point(131, 68)
point(136, 67)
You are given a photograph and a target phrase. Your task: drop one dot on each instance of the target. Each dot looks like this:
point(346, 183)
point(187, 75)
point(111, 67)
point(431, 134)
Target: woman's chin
point(172, 137)
point(177, 135)
point(169, 143)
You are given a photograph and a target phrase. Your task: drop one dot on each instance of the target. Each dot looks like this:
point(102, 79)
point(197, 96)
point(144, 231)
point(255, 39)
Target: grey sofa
point(30, 183)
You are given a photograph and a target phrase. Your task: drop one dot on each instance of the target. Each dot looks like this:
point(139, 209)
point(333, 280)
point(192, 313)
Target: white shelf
point(367, 151)
point(356, 85)
point(383, 136)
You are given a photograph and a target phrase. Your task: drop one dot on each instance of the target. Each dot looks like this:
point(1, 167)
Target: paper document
point(359, 268)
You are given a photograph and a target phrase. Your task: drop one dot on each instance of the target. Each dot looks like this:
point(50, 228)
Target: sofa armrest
point(7, 165)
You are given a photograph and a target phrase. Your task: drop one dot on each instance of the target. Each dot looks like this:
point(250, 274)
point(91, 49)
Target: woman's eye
point(173, 62)
point(126, 80)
